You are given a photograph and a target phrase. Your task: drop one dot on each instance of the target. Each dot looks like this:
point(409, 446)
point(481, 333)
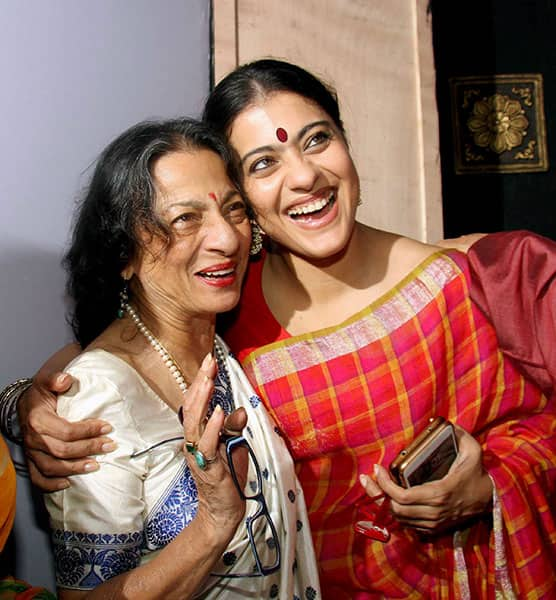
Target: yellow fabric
point(7, 493)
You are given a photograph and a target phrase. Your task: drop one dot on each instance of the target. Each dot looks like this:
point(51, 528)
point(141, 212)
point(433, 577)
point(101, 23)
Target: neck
point(317, 279)
point(188, 339)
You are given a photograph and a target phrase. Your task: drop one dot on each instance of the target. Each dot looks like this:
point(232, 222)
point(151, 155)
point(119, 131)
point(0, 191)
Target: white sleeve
point(97, 523)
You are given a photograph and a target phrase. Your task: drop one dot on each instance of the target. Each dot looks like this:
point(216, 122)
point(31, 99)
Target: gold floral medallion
point(499, 124)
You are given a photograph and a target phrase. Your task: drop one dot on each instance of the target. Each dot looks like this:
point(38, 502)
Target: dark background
point(487, 37)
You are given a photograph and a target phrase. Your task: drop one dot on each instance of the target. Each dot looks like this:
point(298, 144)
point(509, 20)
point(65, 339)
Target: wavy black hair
point(254, 80)
point(118, 201)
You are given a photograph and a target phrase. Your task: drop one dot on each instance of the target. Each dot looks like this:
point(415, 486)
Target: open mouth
point(215, 275)
point(317, 208)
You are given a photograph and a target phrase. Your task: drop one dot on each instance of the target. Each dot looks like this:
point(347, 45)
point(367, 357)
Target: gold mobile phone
point(428, 457)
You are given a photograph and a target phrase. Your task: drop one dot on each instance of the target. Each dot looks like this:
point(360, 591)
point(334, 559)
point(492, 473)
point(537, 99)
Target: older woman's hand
point(220, 504)
point(462, 243)
point(464, 492)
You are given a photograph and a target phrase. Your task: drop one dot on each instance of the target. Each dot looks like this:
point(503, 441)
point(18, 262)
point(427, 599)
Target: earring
point(123, 300)
point(256, 238)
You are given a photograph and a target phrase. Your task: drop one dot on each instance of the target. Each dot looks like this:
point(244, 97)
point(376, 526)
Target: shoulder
point(400, 255)
point(98, 380)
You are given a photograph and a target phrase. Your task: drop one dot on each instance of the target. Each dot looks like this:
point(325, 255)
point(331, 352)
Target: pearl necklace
point(167, 358)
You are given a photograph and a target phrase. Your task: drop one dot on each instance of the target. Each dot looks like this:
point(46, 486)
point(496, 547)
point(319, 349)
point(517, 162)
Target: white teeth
point(218, 273)
point(311, 207)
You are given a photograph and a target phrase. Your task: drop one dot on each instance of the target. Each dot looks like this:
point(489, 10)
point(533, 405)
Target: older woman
point(159, 248)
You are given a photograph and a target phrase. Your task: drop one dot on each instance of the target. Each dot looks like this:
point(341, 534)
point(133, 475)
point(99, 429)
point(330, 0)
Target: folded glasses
point(260, 521)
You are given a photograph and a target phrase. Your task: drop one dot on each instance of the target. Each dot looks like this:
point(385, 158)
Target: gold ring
point(191, 447)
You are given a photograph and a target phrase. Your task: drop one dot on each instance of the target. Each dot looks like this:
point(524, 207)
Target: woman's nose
point(222, 236)
point(302, 173)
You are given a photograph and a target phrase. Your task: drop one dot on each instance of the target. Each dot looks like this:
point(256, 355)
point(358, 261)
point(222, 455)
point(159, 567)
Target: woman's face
point(201, 269)
point(298, 174)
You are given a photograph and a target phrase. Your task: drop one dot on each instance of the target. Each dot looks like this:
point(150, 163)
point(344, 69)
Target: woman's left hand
point(220, 506)
point(465, 491)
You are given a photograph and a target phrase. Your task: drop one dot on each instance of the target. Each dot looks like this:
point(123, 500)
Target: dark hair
point(257, 79)
point(119, 199)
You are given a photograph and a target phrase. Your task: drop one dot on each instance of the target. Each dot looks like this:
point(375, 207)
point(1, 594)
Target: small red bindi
point(282, 135)
point(213, 196)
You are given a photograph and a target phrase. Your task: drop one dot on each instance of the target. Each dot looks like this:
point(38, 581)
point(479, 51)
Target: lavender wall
point(74, 74)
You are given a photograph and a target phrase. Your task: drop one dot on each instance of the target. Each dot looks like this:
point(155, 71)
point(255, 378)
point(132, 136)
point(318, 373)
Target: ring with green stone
point(191, 447)
point(201, 460)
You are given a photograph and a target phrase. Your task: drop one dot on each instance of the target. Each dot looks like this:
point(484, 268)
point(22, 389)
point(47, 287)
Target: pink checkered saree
point(350, 396)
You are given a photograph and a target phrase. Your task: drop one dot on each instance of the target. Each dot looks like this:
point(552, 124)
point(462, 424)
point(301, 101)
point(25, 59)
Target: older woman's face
point(298, 174)
point(202, 268)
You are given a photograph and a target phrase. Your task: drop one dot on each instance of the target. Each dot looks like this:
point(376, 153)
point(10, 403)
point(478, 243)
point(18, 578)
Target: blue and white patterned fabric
point(111, 521)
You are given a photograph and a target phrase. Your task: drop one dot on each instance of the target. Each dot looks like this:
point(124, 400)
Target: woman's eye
point(236, 211)
point(185, 220)
point(260, 164)
point(321, 137)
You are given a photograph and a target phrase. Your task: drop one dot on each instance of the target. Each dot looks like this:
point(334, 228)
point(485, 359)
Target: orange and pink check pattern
point(348, 397)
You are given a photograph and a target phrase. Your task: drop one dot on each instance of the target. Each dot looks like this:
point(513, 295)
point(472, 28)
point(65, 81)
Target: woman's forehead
point(191, 176)
point(276, 117)
point(189, 168)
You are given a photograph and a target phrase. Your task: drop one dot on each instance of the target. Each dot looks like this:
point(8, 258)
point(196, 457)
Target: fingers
point(235, 422)
point(469, 450)
point(197, 399)
point(370, 486)
point(210, 440)
point(385, 483)
point(462, 243)
point(60, 449)
point(46, 484)
point(55, 382)
point(55, 468)
point(43, 423)
point(422, 506)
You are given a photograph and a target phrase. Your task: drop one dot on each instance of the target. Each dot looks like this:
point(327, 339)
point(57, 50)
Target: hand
point(464, 492)
point(462, 243)
point(220, 504)
point(56, 448)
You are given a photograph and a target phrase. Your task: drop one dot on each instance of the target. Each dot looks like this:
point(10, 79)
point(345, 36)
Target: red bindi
point(282, 135)
point(213, 196)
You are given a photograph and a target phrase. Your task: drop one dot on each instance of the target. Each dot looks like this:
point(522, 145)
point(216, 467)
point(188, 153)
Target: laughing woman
point(162, 241)
point(361, 337)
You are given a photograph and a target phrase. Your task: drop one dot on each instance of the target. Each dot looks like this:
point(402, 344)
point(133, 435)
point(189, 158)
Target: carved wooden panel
point(499, 124)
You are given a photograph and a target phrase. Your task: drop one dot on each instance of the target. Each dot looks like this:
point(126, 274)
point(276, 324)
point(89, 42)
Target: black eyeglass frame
point(232, 443)
point(262, 571)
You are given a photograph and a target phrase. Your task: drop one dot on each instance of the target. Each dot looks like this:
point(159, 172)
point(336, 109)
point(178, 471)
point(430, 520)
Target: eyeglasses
point(260, 523)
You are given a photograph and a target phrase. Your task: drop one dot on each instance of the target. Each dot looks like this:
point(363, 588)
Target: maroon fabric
point(514, 282)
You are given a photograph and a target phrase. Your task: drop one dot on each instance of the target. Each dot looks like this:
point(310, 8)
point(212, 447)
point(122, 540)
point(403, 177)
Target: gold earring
point(256, 238)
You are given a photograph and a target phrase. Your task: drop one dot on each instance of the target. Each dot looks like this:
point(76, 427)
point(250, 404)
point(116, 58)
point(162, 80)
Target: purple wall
point(74, 74)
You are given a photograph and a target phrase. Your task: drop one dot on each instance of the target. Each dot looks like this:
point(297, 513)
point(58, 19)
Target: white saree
point(110, 521)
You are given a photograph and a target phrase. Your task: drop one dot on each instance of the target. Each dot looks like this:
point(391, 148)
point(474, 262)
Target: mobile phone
point(428, 457)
